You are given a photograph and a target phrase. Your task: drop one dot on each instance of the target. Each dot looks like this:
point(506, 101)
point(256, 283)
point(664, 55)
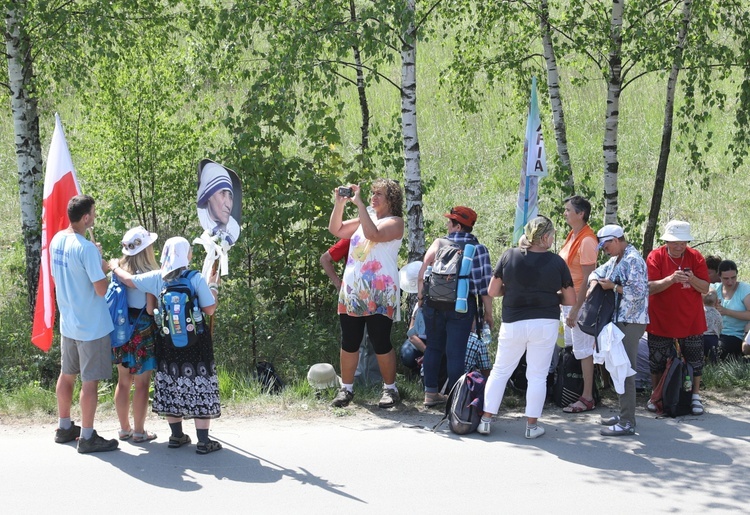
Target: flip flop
point(587, 406)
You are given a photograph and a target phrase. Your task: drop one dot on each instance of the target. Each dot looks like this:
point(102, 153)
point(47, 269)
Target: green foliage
point(732, 373)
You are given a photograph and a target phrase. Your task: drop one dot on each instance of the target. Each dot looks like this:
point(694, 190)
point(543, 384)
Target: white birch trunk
point(28, 145)
point(412, 173)
point(614, 86)
point(555, 98)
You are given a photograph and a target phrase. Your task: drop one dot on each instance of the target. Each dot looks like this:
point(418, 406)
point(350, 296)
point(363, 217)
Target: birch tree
point(47, 42)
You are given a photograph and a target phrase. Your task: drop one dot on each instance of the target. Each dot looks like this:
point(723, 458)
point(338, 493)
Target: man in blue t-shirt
point(85, 325)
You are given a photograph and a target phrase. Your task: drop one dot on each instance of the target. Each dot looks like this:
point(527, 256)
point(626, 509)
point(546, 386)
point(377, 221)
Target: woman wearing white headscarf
point(186, 384)
point(216, 201)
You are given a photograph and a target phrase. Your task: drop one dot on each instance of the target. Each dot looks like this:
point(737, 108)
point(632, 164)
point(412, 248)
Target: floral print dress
point(370, 283)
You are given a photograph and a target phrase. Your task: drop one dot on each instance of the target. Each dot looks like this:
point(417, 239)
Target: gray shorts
point(92, 359)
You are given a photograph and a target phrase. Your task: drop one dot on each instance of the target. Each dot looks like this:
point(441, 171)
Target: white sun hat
point(408, 275)
point(322, 376)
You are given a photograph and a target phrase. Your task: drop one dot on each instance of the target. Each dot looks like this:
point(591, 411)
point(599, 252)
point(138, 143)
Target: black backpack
point(269, 380)
point(677, 388)
point(463, 409)
point(568, 385)
point(442, 285)
point(598, 310)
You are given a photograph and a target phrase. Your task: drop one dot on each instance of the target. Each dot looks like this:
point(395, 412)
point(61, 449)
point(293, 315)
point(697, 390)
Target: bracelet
point(419, 297)
point(214, 286)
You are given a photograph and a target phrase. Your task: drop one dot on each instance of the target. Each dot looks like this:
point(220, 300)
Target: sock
point(530, 426)
point(202, 435)
point(696, 397)
point(64, 423)
point(390, 386)
point(348, 387)
point(176, 428)
point(489, 419)
point(87, 433)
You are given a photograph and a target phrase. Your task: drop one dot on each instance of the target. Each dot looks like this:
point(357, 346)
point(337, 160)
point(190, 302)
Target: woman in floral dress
point(369, 295)
point(136, 358)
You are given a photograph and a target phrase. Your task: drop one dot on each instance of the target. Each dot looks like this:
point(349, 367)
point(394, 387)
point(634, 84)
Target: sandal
point(178, 441)
point(697, 407)
point(206, 447)
point(587, 406)
point(146, 436)
point(123, 434)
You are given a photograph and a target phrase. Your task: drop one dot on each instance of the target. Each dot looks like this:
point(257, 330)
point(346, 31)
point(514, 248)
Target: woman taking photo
point(369, 294)
point(533, 283)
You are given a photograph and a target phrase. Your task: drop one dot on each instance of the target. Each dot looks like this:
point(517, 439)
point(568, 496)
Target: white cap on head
point(137, 239)
point(609, 232)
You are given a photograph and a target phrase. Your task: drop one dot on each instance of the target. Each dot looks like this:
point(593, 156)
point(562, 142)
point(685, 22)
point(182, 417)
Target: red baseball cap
point(463, 215)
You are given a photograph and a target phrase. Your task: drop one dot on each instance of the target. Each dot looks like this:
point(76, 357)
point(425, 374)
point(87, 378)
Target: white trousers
point(536, 337)
point(582, 343)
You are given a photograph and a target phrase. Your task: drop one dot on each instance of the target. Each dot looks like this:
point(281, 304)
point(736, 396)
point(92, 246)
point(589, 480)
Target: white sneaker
point(650, 406)
point(534, 432)
point(483, 428)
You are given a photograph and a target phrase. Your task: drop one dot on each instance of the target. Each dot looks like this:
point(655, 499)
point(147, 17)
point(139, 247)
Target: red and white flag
point(60, 185)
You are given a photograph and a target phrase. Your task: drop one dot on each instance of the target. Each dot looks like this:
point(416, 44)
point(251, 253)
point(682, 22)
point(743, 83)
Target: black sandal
point(178, 441)
point(206, 447)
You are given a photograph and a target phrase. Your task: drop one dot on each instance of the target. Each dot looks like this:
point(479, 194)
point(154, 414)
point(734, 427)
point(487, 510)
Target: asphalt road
point(373, 461)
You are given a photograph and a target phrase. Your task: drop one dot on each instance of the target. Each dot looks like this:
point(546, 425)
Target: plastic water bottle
point(687, 385)
point(121, 335)
point(198, 319)
point(486, 334)
point(158, 319)
point(426, 283)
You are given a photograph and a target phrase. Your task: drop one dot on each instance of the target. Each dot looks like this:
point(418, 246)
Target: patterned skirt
point(138, 354)
point(186, 384)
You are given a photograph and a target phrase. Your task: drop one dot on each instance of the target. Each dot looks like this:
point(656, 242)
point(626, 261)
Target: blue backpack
point(182, 320)
point(117, 303)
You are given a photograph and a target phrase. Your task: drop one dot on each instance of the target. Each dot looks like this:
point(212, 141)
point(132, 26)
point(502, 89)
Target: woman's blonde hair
point(536, 229)
point(144, 261)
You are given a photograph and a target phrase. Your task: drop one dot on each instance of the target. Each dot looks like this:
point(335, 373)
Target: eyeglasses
point(132, 246)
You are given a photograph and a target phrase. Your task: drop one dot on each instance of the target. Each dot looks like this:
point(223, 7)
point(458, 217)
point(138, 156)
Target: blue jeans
point(447, 334)
point(409, 355)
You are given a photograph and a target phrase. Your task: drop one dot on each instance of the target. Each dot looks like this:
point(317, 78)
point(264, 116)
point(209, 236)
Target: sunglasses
point(132, 246)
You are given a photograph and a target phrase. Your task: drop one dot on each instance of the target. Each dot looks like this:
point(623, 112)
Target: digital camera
point(346, 192)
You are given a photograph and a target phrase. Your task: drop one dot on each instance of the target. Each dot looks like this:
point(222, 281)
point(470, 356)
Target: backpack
point(117, 303)
point(463, 409)
point(442, 284)
point(269, 380)
point(674, 393)
point(178, 303)
point(598, 310)
point(568, 386)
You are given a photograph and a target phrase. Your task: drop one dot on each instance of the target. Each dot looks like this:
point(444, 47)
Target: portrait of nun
point(219, 201)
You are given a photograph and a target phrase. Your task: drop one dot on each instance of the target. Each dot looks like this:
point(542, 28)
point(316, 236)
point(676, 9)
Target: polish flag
point(60, 185)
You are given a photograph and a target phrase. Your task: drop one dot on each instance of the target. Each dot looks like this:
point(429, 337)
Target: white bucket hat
point(323, 375)
point(677, 230)
point(137, 239)
point(408, 275)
